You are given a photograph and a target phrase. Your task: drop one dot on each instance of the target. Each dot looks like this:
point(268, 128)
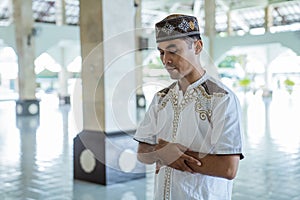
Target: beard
point(175, 75)
point(173, 72)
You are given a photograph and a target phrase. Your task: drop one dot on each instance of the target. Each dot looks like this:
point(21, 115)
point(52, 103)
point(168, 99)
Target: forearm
point(146, 153)
point(165, 153)
point(224, 166)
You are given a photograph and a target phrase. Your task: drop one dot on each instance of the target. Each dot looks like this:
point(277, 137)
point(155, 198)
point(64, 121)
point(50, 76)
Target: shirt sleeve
point(146, 131)
point(226, 127)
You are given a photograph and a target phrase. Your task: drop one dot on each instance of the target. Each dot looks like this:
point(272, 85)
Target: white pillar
point(268, 18)
point(103, 150)
point(60, 7)
point(138, 53)
point(24, 32)
point(119, 60)
point(91, 15)
point(229, 23)
point(25, 48)
point(63, 77)
point(210, 24)
point(272, 51)
point(140, 97)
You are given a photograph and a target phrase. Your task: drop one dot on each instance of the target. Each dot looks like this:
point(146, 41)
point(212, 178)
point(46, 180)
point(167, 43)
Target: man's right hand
point(173, 155)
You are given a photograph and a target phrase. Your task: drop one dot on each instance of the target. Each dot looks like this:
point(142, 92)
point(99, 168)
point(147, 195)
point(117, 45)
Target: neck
point(188, 80)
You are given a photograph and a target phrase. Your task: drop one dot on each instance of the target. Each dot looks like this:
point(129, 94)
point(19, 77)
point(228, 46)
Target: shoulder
point(213, 86)
point(221, 93)
point(162, 93)
point(215, 90)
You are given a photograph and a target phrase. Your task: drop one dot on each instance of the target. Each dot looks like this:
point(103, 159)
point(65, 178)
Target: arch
point(288, 39)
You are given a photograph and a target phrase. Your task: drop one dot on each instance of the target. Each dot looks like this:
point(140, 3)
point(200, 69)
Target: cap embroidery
point(168, 28)
point(184, 25)
point(192, 26)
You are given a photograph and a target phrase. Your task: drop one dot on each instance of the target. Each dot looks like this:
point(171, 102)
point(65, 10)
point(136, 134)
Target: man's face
point(178, 57)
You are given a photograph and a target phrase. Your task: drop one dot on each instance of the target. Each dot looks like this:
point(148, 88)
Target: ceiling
point(245, 15)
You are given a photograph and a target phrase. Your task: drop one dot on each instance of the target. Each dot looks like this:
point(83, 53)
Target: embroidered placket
point(203, 106)
point(188, 97)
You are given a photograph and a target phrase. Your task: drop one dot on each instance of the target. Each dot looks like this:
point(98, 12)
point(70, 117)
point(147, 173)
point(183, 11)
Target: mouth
point(170, 68)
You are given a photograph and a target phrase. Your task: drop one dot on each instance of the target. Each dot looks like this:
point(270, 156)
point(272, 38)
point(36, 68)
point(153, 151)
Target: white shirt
point(205, 119)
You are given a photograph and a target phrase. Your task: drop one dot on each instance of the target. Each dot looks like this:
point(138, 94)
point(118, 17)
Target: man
point(192, 129)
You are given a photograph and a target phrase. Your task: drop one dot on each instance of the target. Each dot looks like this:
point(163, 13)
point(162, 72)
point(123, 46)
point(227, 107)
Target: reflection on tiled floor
point(36, 155)
point(271, 169)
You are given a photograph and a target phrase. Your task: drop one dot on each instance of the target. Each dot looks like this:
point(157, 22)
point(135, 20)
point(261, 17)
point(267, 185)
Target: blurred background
point(251, 46)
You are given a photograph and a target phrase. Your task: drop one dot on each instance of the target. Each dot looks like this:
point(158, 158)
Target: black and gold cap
point(176, 26)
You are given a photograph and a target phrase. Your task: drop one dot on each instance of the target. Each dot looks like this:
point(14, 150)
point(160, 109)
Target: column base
point(267, 93)
point(140, 106)
point(140, 101)
point(64, 100)
point(27, 107)
point(106, 158)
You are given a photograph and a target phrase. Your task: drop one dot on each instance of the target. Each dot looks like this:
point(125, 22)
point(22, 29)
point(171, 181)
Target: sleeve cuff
point(145, 140)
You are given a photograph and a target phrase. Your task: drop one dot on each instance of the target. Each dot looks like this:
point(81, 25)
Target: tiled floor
point(36, 158)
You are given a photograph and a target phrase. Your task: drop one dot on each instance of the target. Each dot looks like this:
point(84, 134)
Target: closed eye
point(173, 52)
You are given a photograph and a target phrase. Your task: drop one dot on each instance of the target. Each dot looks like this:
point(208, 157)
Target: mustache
point(168, 66)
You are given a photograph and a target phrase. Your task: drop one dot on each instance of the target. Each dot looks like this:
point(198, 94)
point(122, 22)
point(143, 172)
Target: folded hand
point(173, 155)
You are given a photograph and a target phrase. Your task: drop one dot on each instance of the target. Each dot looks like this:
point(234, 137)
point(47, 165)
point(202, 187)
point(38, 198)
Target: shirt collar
point(201, 80)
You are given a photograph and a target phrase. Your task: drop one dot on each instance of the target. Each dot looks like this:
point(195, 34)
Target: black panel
point(25, 104)
point(107, 149)
point(115, 145)
point(93, 141)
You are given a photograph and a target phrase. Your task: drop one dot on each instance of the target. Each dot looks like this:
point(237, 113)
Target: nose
point(166, 58)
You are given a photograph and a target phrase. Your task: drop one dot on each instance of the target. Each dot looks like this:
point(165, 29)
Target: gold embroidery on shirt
point(203, 106)
point(167, 183)
point(164, 97)
point(177, 107)
point(168, 170)
point(204, 103)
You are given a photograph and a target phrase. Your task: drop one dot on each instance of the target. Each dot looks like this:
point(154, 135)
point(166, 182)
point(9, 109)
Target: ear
point(198, 46)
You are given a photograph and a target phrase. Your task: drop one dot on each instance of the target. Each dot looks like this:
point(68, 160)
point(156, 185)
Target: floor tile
point(36, 155)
